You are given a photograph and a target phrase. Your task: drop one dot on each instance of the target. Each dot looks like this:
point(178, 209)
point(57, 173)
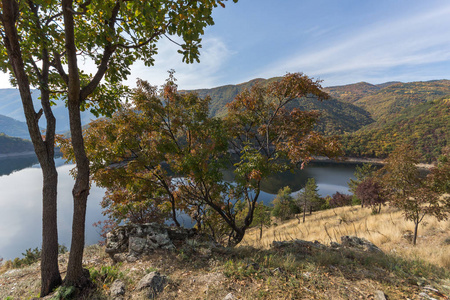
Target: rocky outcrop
point(307, 247)
point(129, 242)
point(359, 243)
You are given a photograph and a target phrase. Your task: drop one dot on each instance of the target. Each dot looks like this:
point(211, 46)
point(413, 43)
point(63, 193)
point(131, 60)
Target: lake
point(21, 200)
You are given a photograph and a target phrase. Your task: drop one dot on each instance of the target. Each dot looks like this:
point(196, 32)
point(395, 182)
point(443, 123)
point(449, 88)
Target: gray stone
point(153, 282)
point(230, 296)
point(136, 240)
point(136, 244)
point(117, 288)
point(359, 243)
point(379, 295)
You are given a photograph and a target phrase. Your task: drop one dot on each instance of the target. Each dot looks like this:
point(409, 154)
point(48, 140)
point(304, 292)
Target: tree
point(339, 200)
point(371, 194)
point(266, 137)
point(112, 34)
point(284, 206)
point(308, 198)
point(361, 173)
point(413, 194)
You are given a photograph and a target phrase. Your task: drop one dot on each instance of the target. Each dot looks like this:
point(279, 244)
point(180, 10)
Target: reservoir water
point(21, 199)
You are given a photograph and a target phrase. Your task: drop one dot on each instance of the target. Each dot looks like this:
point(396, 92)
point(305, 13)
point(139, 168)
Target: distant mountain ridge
point(12, 127)
point(11, 106)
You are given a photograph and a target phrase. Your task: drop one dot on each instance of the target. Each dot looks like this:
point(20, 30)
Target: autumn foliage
point(165, 155)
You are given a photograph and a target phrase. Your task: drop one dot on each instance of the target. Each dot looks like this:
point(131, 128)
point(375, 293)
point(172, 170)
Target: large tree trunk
point(50, 276)
point(75, 275)
point(80, 192)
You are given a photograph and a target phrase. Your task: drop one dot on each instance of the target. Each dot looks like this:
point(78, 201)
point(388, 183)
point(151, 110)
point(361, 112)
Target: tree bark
point(50, 276)
point(416, 227)
point(75, 275)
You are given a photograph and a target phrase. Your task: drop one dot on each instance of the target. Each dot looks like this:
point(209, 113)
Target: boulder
point(117, 289)
point(153, 282)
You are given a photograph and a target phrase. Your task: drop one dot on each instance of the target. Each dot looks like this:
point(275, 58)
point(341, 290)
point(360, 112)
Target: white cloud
point(408, 41)
point(213, 56)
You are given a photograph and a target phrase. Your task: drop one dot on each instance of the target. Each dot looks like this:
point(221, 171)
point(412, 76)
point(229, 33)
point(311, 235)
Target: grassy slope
point(258, 272)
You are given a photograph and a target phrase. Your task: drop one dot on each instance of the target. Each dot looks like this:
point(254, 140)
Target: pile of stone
point(130, 242)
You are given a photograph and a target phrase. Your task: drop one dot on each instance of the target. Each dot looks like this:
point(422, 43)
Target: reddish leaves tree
point(371, 194)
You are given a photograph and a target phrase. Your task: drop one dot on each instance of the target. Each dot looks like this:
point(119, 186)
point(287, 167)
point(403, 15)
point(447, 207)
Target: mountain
point(337, 117)
point(391, 100)
point(426, 126)
point(11, 106)
point(351, 93)
point(12, 127)
point(225, 94)
point(13, 145)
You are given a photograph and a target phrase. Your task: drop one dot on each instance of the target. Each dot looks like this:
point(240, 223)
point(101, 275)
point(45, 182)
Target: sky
point(337, 41)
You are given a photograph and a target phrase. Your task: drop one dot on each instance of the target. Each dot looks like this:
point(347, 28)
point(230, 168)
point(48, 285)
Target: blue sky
point(338, 41)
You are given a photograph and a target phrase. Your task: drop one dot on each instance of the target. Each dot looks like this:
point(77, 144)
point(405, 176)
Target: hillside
point(351, 93)
point(11, 106)
point(426, 126)
point(12, 145)
point(270, 269)
point(391, 100)
point(12, 127)
point(337, 117)
point(225, 94)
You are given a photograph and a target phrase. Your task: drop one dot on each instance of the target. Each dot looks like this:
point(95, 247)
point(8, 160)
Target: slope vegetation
point(426, 126)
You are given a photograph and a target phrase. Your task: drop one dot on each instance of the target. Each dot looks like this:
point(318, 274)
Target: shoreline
point(8, 155)
point(362, 160)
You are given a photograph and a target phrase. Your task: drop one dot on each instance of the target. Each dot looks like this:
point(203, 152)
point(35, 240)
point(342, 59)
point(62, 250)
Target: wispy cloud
point(412, 40)
point(213, 56)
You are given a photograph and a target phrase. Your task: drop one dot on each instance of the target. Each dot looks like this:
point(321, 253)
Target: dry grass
point(194, 272)
point(387, 230)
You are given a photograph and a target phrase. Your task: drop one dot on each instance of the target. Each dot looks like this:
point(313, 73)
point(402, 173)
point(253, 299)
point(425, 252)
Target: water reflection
point(11, 164)
point(21, 207)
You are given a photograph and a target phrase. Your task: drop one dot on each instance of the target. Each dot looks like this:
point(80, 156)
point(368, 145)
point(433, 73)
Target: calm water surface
point(21, 197)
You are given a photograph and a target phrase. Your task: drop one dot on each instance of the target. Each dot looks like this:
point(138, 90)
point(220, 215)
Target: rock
point(153, 282)
point(300, 245)
point(334, 245)
point(117, 289)
point(359, 243)
point(230, 296)
point(129, 242)
point(379, 295)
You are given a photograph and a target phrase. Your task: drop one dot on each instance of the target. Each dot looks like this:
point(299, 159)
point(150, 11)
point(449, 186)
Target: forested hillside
point(393, 99)
point(10, 145)
point(426, 126)
point(337, 117)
